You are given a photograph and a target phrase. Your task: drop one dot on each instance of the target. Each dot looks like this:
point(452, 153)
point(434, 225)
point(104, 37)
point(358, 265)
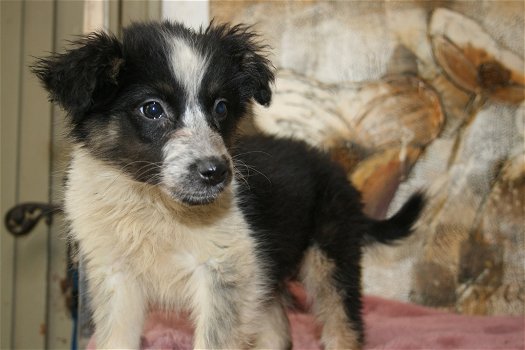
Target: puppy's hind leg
point(336, 299)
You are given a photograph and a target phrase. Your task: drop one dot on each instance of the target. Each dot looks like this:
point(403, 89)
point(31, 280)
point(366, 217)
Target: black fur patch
point(295, 197)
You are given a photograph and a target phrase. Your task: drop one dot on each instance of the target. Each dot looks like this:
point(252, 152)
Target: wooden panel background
point(34, 313)
point(31, 166)
point(11, 31)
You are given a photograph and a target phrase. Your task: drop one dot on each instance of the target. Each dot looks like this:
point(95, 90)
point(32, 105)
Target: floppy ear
point(255, 69)
point(262, 76)
point(84, 77)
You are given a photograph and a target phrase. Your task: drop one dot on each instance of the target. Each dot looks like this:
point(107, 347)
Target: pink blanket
point(389, 324)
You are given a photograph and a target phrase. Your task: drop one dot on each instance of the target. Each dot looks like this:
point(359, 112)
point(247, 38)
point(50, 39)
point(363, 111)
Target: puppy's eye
point(220, 109)
point(152, 110)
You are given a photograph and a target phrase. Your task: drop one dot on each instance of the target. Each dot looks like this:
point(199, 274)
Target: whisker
point(240, 176)
point(121, 171)
point(144, 169)
point(249, 167)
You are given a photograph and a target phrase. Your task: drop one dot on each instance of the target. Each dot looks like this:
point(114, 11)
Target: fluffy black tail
point(398, 226)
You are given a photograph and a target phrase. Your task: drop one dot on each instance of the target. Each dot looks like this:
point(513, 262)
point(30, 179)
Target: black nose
point(213, 170)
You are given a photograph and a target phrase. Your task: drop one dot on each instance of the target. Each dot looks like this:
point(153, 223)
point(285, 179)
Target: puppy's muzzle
point(197, 167)
point(206, 178)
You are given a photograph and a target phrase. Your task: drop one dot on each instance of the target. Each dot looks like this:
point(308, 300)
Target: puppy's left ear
point(263, 77)
point(255, 69)
point(83, 77)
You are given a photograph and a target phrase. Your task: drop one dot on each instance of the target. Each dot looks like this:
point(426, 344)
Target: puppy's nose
point(213, 170)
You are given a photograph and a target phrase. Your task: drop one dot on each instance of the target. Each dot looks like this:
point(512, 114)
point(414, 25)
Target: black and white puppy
point(171, 209)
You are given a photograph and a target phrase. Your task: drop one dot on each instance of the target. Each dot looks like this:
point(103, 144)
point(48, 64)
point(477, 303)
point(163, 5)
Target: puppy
point(172, 209)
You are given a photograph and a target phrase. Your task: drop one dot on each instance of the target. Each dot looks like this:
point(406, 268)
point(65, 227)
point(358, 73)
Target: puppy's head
point(162, 105)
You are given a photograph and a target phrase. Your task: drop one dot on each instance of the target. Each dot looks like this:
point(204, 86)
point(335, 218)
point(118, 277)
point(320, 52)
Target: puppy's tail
point(398, 226)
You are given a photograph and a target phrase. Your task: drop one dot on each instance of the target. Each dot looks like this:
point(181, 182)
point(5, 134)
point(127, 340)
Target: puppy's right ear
point(83, 77)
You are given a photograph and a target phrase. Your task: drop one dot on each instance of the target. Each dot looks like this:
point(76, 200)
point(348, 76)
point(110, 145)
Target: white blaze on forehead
point(188, 66)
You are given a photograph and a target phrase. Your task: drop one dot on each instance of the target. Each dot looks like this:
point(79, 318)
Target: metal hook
point(22, 218)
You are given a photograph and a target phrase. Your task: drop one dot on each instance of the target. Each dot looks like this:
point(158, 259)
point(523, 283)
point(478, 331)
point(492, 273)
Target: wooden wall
point(33, 310)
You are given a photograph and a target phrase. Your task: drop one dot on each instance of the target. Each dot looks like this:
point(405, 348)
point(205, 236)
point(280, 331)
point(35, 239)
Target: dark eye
point(152, 110)
point(220, 109)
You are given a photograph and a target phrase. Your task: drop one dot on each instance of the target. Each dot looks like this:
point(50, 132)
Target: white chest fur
point(132, 233)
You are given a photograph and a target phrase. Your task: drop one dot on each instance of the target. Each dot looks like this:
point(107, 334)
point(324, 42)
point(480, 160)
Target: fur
point(173, 209)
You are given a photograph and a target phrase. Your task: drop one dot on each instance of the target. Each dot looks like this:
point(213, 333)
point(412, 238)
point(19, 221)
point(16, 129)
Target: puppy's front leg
point(274, 329)
point(224, 308)
point(118, 309)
